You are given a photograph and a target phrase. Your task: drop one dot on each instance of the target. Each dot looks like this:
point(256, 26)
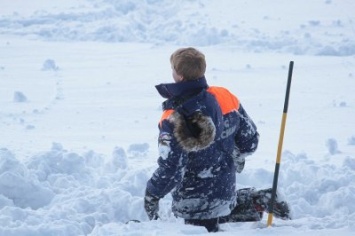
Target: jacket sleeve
point(170, 164)
point(247, 137)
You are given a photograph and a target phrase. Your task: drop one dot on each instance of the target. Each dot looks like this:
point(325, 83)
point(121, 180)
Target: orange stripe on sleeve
point(226, 100)
point(165, 115)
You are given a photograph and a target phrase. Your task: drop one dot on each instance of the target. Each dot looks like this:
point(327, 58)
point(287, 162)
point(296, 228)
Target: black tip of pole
point(289, 77)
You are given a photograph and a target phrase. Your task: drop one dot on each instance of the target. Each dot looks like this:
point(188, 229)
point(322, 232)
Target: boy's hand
point(151, 206)
point(238, 159)
point(239, 163)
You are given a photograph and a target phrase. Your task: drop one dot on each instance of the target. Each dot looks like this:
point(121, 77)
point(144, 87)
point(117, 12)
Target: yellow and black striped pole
point(279, 149)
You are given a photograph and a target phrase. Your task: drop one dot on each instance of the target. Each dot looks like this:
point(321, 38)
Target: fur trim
point(188, 140)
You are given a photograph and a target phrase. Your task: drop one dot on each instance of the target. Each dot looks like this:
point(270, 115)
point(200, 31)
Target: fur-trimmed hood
point(197, 120)
point(193, 133)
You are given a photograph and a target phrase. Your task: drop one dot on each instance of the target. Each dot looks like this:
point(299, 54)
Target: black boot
point(262, 200)
point(245, 210)
point(251, 204)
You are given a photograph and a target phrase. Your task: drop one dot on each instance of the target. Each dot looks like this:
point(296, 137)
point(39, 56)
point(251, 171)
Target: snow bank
point(63, 193)
point(319, 190)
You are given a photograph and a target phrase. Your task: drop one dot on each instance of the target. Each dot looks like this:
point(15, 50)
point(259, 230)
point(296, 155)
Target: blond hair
point(189, 63)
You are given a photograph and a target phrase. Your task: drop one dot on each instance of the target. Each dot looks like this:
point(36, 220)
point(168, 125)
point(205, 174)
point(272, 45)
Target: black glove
point(238, 159)
point(239, 164)
point(151, 206)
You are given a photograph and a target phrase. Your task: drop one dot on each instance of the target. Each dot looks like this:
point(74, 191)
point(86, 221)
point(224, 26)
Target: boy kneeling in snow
point(205, 134)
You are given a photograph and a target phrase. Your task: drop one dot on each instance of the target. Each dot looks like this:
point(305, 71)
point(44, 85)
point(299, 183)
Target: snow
point(79, 110)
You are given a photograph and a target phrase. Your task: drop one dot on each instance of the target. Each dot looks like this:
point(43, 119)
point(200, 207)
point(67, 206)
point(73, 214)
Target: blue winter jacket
point(199, 129)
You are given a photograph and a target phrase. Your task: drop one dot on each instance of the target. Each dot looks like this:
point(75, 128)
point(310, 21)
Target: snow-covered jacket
point(199, 129)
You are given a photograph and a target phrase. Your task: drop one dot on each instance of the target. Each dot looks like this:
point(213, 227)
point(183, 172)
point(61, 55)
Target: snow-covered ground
point(79, 111)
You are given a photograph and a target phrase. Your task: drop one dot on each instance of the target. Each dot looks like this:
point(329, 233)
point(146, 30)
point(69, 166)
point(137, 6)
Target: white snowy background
point(79, 111)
